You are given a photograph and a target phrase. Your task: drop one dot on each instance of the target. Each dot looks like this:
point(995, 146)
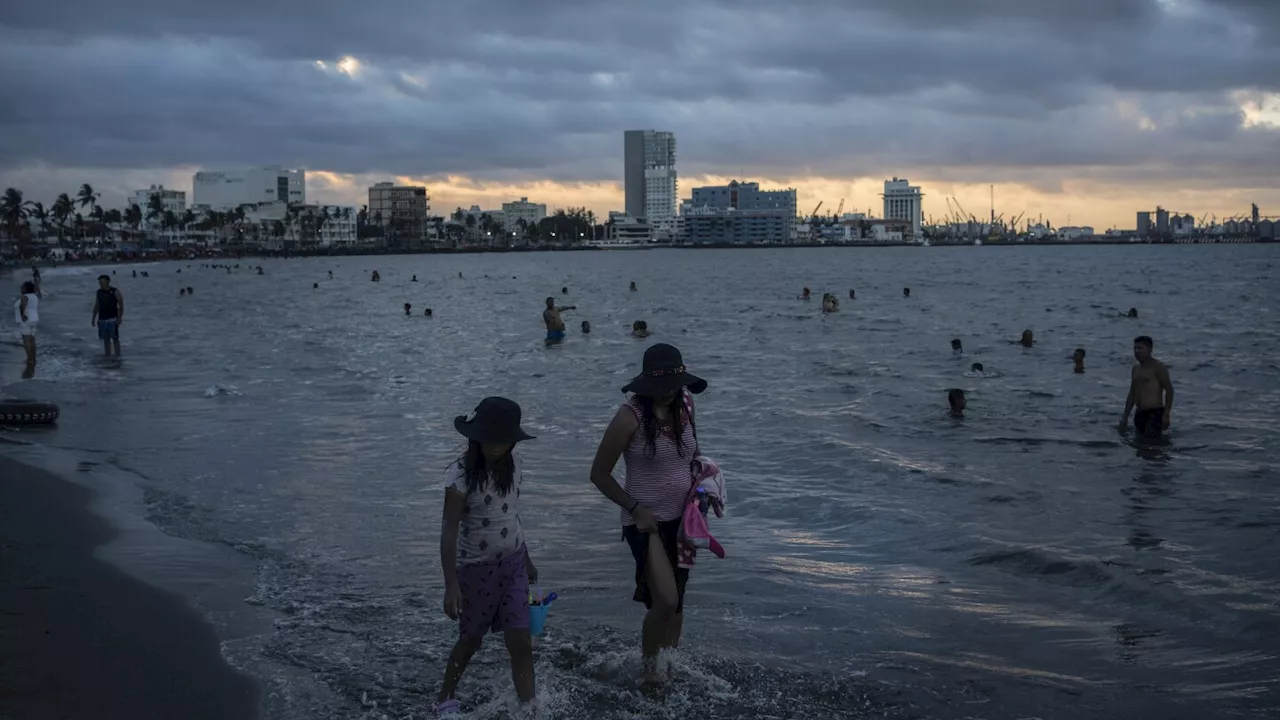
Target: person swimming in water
point(555, 323)
point(906, 292)
point(1150, 389)
point(804, 294)
point(415, 279)
point(564, 291)
point(375, 277)
point(426, 313)
point(853, 295)
point(586, 328)
point(182, 292)
point(1078, 358)
point(640, 329)
point(955, 398)
point(1028, 339)
point(407, 309)
point(315, 286)
point(956, 347)
point(976, 370)
point(330, 274)
point(633, 286)
point(1133, 313)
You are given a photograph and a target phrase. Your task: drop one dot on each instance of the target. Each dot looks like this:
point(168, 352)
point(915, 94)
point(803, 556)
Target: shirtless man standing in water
point(555, 324)
point(1151, 390)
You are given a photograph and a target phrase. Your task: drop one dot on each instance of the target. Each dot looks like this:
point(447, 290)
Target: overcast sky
point(1090, 109)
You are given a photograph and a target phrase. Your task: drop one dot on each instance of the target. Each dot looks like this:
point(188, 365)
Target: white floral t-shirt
point(490, 530)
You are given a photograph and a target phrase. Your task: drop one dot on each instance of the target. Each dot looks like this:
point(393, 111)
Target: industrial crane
point(840, 209)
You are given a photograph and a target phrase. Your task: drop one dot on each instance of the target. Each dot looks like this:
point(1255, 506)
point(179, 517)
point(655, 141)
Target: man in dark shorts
point(108, 313)
point(1151, 390)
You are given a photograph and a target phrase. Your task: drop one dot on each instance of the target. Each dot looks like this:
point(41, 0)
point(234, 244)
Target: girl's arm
point(22, 308)
point(454, 502)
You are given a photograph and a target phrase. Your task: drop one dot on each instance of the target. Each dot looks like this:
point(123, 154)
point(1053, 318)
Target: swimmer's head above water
point(1028, 338)
point(586, 327)
point(1133, 312)
point(640, 329)
point(955, 398)
point(976, 368)
point(1142, 348)
point(906, 292)
point(1077, 357)
point(956, 347)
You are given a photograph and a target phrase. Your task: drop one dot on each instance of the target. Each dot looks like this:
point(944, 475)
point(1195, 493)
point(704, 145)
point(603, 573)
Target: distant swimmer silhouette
point(633, 286)
point(1028, 339)
point(977, 371)
point(956, 347)
point(640, 329)
point(804, 294)
point(955, 398)
point(1133, 313)
point(906, 292)
point(407, 309)
point(1078, 358)
point(586, 328)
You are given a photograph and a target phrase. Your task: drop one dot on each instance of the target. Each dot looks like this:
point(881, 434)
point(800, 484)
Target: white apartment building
point(650, 177)
point(339, 229)
point(227, 189)
point(522, 209)
point(174, 201)
point(904, 201)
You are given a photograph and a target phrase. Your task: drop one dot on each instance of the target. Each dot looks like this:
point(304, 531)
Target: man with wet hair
point(1150, 390)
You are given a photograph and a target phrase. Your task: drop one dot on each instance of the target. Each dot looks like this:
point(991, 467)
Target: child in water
point(487, 568)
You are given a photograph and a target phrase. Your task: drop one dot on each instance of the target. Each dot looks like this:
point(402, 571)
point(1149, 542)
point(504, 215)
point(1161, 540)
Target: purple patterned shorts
point(495, 596)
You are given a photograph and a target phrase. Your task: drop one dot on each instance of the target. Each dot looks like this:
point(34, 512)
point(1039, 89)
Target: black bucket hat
point(495, 420)
point(663, 373)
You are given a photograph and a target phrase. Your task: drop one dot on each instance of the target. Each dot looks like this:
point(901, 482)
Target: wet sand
point(81, 639)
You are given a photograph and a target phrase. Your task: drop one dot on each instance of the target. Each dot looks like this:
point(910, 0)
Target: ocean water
point(884, 559)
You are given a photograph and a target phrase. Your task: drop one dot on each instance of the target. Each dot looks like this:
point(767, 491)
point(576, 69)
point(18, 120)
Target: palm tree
point(40, 215)
point(61, 211)
point(169, 222)
point(87, 198)
point(188, 219)
point(15, 211)
point(133, 216)
point(155, 206)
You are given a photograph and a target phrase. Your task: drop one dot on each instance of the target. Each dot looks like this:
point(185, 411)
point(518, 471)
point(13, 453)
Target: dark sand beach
point(81, 639)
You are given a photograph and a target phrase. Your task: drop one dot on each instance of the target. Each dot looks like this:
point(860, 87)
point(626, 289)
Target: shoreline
point(88, 639)
point(192, 252)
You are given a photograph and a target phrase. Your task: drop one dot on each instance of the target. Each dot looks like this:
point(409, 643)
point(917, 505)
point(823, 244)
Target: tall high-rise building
point(650, 176)
point(904, 201)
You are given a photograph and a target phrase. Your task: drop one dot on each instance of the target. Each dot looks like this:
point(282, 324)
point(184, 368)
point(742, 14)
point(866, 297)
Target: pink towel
point(694, 533)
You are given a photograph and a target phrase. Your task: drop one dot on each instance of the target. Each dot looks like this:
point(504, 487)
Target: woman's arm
point(616, 438)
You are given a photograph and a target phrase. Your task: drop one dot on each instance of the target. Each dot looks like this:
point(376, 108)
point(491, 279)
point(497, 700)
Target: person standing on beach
point(1150, 389)
point(487, 568)
point(108, 314)
point(654, 434)
point(555, 323)
point(26, 312)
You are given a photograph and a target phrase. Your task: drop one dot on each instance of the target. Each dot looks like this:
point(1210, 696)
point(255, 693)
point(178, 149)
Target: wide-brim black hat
point(495, 420)
point(663, 373)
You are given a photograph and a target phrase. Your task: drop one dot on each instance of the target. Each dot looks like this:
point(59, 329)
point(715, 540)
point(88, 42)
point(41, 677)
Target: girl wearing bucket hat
point(654, 434)
point(487, 568)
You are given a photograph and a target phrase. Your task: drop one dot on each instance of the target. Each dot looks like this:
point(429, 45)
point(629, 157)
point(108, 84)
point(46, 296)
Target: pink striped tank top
point(660, 482)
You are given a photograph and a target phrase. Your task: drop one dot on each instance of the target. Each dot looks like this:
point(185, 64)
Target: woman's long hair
point(649, 423)
point(478, 474)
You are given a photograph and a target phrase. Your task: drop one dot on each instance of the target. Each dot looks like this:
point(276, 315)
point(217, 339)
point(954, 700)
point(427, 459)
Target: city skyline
point(1085, 112)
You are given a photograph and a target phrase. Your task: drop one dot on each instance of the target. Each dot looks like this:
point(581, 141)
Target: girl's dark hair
point(478, 475)
point(649, 423)
point(28, 287)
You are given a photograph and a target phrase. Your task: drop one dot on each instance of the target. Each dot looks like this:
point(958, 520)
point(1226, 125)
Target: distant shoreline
point(193, 253)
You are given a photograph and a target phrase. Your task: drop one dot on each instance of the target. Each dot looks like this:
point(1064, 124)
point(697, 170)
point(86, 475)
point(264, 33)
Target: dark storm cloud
point(513, 89)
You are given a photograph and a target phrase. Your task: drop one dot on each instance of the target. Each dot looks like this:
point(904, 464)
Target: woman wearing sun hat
point(487, 568)
point(653, 432)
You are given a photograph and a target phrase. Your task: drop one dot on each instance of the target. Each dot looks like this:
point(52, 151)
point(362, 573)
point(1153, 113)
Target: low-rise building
point(739, 213)
point(174, 201)
point(229, 189)
point(625, 229)
point(402, 212)
point(522, 209)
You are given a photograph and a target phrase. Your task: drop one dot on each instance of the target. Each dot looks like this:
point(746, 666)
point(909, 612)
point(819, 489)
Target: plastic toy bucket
point(537, 612)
